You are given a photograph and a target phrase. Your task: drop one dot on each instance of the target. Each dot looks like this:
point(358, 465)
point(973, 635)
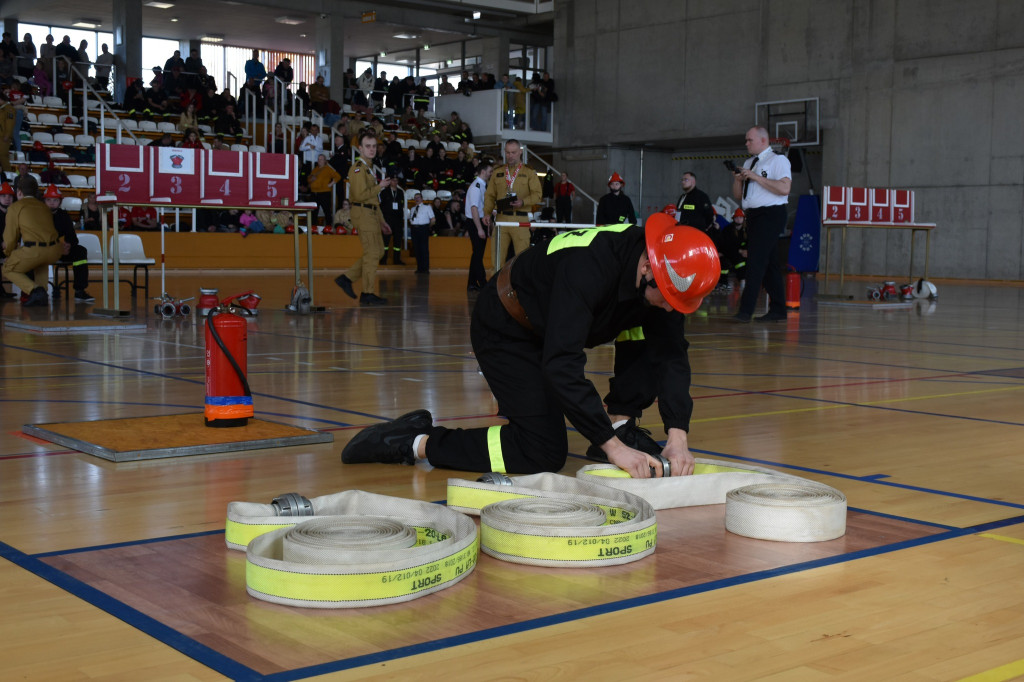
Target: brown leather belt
point(40, 243)
point(508, 297)
point(369, 206)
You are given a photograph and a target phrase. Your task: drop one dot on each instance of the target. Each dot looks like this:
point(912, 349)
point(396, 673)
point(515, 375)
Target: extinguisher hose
point(224, 349)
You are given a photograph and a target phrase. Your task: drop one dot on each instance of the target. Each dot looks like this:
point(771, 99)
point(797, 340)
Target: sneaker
point(771, 317)
point(37, 297)
point(741, 317)
point(83, 297)
point(390, 442)
point(346, 285)
point(632, 435)
point(372, 299)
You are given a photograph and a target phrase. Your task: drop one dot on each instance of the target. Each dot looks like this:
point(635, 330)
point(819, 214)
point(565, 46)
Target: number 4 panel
point(223, 178)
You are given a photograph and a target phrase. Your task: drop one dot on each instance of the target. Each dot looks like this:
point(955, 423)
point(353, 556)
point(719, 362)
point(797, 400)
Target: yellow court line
point(1002, 538)
point(1003, 672)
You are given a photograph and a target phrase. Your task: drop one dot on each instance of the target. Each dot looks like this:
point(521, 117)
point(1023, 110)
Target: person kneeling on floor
point(30, 222)
point(530, 327)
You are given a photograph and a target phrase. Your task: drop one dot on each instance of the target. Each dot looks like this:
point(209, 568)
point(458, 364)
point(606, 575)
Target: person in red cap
point(30, 222)
point(615, 208)
point(6, 199)
point(74, 254)
point(530, 327)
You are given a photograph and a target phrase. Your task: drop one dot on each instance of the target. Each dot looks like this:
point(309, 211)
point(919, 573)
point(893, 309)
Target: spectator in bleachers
point(7, 69)
point(445, 88)
point(89, 216)
point(194, 62)
point(165, 140)
point(134, 97)
point(466, 84)
point(249, 92)
point(211, 106)
point(341, 156)
point(104, 62)
point(278, 143)
point(254, 68)
point(67, 50)
point(226, 99)
point(191, 140)
point(284, 71)
point(322, 180)
point(409, 169)
point(227, 123)
point(26, 56)
point(41, 78)
point(158, 77)
point(380, 88)
point(454, 219)
point(52, 175)
point(8, 47)
point(173, 83)
point(174, 60)
point(301, 95)
point(250, 223)
point(436, 145)
point(393, 151)
point(23, 172)
point(142, 218)
point(206, 81)
point(191, 98)
point(47, 50)
point(73, 253)
point(157, 104)
point(362, 99)
point(349, 85)
point(343, 216)
point(319, 96)
point(394, 96)
point(565, 192)
point(462, 172)
point(312, 145)
point(421, 96)
point(430, 169)
point(82, 61)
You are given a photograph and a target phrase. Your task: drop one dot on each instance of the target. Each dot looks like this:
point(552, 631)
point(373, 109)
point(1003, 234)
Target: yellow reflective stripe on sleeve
point(359, 589)
point(575, 238)
point(634, 334)
point(494, 449)
point(239, 535)
point(503, 544)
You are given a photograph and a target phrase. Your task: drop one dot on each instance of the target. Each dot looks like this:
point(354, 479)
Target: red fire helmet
point(684, 262)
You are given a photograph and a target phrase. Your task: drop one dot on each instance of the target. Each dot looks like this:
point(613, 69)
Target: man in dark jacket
point(530, 327)
point(615, 207)
point(74, 253)
point(694, 207)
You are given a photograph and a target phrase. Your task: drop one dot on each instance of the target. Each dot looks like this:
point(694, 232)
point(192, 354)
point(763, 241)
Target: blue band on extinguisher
point(228, 400)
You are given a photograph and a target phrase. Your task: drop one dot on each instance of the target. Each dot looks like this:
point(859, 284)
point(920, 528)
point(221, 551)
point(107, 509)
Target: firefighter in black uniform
point(530, 326)
point(74, 253)
point(694, 207)
point(392, 207)
point(615, 207)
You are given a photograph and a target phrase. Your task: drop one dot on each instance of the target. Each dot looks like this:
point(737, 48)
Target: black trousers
point(421, 246)
point(535, 438)
point(77, 258)
point(477, 274)
point(393, 241)
point(764, 227)
point(323, 202)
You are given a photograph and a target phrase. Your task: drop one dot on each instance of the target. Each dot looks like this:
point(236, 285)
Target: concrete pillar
point(11, 26)
point(127, 25)
point(330, 53)
point(494, 57)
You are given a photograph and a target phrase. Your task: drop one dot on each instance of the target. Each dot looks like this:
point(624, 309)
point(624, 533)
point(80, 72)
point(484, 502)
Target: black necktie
point(746, 183)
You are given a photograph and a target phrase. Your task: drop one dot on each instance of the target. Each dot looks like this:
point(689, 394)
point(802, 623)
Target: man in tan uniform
point(30, 222)
point(363, 190)
point(512, 178)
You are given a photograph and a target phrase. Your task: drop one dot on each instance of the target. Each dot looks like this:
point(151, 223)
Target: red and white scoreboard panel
point(196, 177)
point(868, 205)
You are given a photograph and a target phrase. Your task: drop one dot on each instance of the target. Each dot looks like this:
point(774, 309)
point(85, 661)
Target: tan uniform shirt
point(28, 220)
point(362, 186)
point(525, 184)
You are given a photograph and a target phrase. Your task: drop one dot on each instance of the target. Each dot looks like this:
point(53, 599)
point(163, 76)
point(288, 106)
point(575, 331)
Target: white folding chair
point(78, 181)
point(166, 127)
point(64, 139)
point(54, 103)
point(47, 119)
point(71, 204)
point(131, 252)
point(85, 140)
point(429, 195)
point(239, 148)
point(45, 138)
point(148, 126)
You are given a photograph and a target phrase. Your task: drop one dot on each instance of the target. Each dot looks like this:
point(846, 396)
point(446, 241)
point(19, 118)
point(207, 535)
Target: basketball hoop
point(779, 145)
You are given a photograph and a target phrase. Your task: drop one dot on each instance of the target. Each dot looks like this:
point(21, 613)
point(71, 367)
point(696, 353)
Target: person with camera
point(512, 191)
point(763, 185)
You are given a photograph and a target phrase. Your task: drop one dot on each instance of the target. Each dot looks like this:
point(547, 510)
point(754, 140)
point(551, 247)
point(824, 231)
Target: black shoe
point(372, 299)
point(37, 297)
point(346, 285)
point(383, 261)
point(7, 294)
point(399, 261)
point(633, 436)
point(390, 442)
point(771, 317)
point(741, 317)
point(83, 297)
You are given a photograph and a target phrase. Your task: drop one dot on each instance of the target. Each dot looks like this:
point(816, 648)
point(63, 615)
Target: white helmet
point(925, 289)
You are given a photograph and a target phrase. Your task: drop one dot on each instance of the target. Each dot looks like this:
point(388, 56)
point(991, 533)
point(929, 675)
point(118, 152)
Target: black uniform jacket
point(579, 292)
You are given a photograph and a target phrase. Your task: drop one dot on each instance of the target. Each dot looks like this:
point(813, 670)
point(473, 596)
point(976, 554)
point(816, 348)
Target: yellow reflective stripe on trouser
point(634, 334)
point(494, 449)
point(79, 262)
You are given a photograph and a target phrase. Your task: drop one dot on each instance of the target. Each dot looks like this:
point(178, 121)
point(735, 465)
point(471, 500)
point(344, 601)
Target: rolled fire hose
point(551, 520)
point(759, 502)
point(359, 549)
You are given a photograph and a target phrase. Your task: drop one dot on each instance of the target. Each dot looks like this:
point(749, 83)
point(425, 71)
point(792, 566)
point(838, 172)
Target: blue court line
point(133, 617)
point(895, 517)
point(622, 605)
point(127, 543)
point(873, 478)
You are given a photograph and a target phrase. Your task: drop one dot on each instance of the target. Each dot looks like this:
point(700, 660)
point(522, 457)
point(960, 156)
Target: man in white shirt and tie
point(421, 220)
point(763, 186)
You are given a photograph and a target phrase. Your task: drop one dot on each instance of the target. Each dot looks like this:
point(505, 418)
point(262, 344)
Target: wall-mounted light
point(476, 15)
point(291, 21)
point(159, 5)
point(212, 38)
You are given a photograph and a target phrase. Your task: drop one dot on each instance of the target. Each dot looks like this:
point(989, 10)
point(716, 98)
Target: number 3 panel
point(175, 179)
point(223, 178)
point(123, 170)
point(273, 179)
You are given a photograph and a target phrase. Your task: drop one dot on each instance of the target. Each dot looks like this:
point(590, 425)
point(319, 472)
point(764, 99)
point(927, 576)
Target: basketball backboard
point(796, 120)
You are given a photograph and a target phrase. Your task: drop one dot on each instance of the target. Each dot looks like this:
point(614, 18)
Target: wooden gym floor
point(119, 571)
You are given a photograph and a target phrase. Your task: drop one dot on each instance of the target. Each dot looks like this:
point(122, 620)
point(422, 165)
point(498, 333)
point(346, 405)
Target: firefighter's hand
point(677, 452)
point(385, 228)
point(637, 464)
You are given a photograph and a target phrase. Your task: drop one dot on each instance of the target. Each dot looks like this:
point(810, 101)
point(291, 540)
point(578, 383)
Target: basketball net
point(779, 145)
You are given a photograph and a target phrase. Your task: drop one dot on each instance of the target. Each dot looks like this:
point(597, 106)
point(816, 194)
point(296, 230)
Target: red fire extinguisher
point(793, 288)
point(228, 398)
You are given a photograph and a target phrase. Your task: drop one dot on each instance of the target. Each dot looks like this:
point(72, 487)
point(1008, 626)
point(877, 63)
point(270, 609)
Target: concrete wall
point(919, 94)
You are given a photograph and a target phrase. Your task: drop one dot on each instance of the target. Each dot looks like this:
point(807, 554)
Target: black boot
point(633, 436)
point(390, 442)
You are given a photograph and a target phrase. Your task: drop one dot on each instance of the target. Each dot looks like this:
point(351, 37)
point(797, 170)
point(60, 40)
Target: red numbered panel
point(881, 205)
point(858, 204)
point(902, 206)
point(175, 177)
point(273, 179)
point(123, 170)
point(224, 178)
point(835, 204)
